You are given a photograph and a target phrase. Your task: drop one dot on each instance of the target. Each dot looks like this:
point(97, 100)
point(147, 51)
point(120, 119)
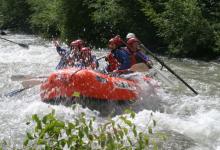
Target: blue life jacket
point(123, 58)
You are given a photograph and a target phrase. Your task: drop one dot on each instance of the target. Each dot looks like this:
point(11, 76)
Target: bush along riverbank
point(83, 133)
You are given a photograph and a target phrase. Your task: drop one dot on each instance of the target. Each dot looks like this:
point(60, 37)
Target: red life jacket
point(132, 56)
point(133, 59)
point(113, 63)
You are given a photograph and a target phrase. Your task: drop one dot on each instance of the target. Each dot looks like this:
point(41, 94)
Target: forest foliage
point(184, 28)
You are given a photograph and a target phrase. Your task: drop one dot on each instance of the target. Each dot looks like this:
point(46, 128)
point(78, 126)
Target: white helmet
point(130, 35)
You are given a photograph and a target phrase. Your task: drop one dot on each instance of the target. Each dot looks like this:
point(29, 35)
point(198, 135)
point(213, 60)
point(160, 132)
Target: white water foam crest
point(203, 127)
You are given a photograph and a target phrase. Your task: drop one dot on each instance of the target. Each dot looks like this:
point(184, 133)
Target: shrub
point(82, 133)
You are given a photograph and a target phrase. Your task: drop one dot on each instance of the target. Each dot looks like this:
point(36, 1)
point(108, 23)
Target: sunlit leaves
point(52, 133)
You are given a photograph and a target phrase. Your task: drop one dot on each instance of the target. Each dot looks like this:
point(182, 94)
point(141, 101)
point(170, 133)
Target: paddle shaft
point(9, 40)
point(20, 44)
point(14, 92)
point(100, 58)
point(26, 77)
point(168, 68)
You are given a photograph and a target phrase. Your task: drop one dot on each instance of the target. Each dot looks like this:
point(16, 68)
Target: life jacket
point(113, 62)
point(132, 56)
point(137, 57)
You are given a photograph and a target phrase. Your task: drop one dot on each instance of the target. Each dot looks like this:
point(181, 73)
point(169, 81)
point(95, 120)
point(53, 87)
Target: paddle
point(100, 58)
point(25, 77)
point(20, 44)
point(142, 67)
point(157, 73)
point(28, 77)
point(168, 68)
point(33, 82)
point(26, 85)
point(29, 84)
point(10, 94)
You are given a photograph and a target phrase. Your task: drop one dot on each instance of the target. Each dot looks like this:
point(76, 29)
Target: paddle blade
point(26, 77)
point(160, 75)
point(23, 45)
point(26, 84)
point(140, 67)
point(21, 77)
point(31, 83)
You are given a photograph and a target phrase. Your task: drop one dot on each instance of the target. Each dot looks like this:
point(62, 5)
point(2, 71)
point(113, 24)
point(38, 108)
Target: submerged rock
point(177, 141)
point(3, 33)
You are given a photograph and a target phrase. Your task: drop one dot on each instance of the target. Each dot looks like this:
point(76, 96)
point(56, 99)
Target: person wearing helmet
point(136, 55)
point(68, 57)
point(75, 52)
point(130, 35)
point(118, 58)
point(87, 59)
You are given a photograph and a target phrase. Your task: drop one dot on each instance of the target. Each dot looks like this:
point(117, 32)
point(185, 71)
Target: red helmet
point(79, 43)
point(132, 40)
point(85, 50)
point(73, 43)
point(116, 40)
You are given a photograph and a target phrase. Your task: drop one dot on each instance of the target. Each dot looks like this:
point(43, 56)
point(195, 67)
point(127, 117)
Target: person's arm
point(60, 50)
point(145, 58)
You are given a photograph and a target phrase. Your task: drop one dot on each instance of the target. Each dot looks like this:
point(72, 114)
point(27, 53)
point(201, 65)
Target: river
point(190, 122)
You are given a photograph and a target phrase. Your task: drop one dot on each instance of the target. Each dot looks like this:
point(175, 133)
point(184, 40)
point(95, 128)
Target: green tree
point(121, 17)
point(46, 17)
point(211, 11)
point(15, 15)
point(76, 20)
point(182, 26)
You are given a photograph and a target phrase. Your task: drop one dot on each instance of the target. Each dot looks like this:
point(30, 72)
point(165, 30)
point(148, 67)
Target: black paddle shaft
point(168, 68)
point(15, 92)
point(20, 44)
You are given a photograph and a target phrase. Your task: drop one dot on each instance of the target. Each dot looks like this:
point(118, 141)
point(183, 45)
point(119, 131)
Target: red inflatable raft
point(73, 83)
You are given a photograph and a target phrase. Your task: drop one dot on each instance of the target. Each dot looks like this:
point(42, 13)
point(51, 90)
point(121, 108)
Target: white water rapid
point(190, 122)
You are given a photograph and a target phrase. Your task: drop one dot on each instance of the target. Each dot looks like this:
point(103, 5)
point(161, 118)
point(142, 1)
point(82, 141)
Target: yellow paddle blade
point(140, 67)
point(31, 83)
